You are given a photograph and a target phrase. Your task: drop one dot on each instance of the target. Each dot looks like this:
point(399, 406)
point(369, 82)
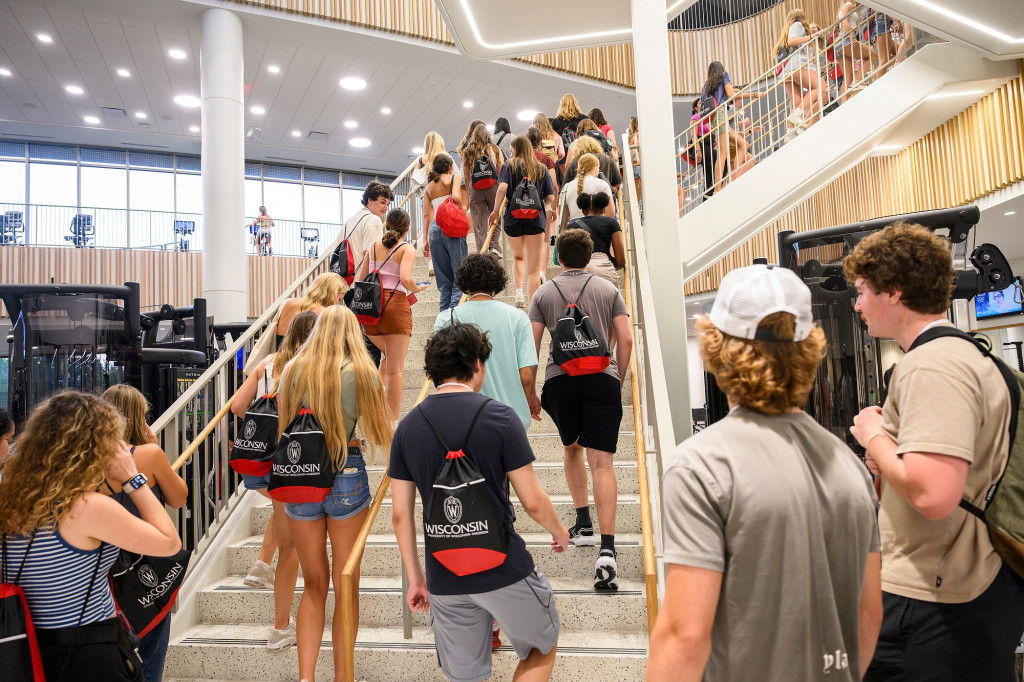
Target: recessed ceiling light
point(74, 90)
point(526, 115)
point(141, 114)
point(490, 127)
point(190, 101)
point(176, 53)
point(258, 110)
point(1010, 213)
point(91, 119)
point(359, 142)
point(274, 68)
point(124, 73)
point(5, 72)
point(467, 104)
point(352, 83)
point(351, 125)
point(44, 38)
point(417, 150)
point(296, 133)
point(386, 110)
point(193, 129)
point(958, 93)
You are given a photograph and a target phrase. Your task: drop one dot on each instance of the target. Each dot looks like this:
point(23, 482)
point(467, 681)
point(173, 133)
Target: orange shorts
point(397, 317)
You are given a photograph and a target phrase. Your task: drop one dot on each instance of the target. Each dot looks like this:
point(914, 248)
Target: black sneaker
point(605, 577)
point(581, 536)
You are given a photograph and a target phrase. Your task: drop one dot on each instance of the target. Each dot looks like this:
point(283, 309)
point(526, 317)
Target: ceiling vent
point(113, 112)
point(284, 158)
point(30, 136)
point(145, 146)
point(254, 133)
point(315, 136)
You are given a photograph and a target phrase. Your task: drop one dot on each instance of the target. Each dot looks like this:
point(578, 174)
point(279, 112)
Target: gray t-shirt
point(800, 54)
point(788, 513)
point(601, 301)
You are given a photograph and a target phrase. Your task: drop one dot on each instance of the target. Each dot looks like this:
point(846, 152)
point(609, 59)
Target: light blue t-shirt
point(512, 348)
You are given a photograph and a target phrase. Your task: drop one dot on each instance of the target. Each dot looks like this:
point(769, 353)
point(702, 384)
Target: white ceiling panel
point(995, 28)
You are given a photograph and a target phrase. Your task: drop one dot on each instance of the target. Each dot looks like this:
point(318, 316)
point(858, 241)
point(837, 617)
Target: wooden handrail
point(348, 621)
point(646, 526)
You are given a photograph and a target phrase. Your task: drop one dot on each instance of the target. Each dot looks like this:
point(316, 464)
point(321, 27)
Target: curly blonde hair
point(324, 292)
point(63, 452)
point(585, 145)
point(769, 377)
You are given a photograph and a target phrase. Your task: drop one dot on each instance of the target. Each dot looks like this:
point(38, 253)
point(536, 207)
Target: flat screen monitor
point(185, 226)
point(999, 303)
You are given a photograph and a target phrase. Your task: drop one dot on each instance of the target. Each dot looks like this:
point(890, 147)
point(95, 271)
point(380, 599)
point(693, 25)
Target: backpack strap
point(472, 423)
point(984, 346)
point(3, 569)
point(564, 299)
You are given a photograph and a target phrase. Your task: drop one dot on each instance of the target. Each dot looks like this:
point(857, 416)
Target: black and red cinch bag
point(302, 470)
point(343, 260)
point(577, 345)
point(19, 649)
point(145, 588)
point(484, 175)
point(253, 449)
point(525, 202)
point(368, 302)
point(461, 527)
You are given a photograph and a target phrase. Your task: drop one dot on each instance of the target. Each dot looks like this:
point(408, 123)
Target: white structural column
point(225, 274)
point(661, 213)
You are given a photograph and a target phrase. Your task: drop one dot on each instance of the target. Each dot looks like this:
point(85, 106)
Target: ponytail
point(441, 165)
point(396, 225)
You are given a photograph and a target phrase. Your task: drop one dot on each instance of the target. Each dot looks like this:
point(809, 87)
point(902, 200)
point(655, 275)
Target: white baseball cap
point(748, 295)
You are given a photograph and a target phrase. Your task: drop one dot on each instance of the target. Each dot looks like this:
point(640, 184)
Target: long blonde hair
point(314, 377)
point(541, 123)
point(794, 16)
point(587, 163)
point(568, 108)
point(433, 144)
point(132, 405)
point(63, 451)
point(299, 330)
point(325, 291)
point(523, 161)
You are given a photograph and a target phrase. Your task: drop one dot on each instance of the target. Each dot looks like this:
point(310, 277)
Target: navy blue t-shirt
point(497, 445)
point(544, 186)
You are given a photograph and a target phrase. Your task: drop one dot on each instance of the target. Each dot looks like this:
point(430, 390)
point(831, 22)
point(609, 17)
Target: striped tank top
point(56, 577)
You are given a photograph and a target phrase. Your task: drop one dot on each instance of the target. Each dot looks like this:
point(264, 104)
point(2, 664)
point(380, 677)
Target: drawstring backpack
point(253, 451)
point(525, 202)
point(450, 217)
point(484, 175)
point(343, 261)
point(461, 527)
point(368, 295)
point(578, 347)
point(303, 470)
point(19, 649)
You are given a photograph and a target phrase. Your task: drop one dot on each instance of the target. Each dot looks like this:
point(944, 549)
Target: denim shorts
point(349, 496)
point(256, 482)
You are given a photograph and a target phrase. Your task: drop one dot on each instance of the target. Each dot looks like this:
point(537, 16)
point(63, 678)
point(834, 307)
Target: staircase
point(603, 636)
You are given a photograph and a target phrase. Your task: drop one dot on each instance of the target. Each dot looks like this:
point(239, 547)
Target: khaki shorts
point(525, 611)
point(601, 266)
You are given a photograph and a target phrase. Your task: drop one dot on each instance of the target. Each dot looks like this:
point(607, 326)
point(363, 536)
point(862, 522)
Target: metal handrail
point(185, 429)
point(767, 127)
point(348, 622)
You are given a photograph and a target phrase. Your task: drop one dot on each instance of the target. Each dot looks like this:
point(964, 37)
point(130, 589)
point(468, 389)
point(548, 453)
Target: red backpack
point(450, 217)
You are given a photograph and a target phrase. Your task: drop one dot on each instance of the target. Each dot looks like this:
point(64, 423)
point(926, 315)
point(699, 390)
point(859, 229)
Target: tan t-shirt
point(947, 398)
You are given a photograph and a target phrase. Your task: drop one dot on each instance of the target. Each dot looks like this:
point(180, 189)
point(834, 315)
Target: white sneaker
point(796, 117)
point(790, 135)
point(520, 300)
point(260, 575)
point(281, 639)
point(605, 577)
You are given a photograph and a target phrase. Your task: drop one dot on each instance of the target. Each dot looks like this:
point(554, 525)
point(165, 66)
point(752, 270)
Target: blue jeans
point(349, 496)
point(446, 253)
point(153, 650)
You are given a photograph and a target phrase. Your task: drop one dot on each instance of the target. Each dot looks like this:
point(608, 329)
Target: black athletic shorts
point(587, 409)
point(515, 229)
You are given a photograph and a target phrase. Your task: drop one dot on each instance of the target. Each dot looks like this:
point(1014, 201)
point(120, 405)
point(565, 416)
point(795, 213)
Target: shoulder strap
point(584, 288)
point(564, 299)
point(393, 251)
point(92, 581)
point(472, 423)
point(3, 570)
point(1004, 371)
point(358, 223)
point(451, 184)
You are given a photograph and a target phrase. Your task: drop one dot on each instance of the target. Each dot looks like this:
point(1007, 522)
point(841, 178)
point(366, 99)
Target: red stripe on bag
point(586, 365)
point(249, 467)
point(299, 493)
point(471, 560)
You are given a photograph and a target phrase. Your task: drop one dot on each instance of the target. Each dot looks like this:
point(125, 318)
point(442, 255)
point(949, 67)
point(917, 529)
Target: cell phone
point(423, 284)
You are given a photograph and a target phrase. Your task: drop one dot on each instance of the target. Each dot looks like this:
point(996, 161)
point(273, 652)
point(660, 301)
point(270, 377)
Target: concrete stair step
point(546, 426)
point(238, 652)
point(580, 607)
point(382, 559)
point(627, 515)
point(414, 375)
point(412, 390)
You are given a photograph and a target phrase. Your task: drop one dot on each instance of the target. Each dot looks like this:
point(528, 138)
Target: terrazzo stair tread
point(627, 516)
point(226, 652)
point(433, 294)
point(580, 607)
point(382, 559)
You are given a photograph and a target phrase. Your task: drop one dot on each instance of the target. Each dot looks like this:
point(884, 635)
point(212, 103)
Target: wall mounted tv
point(999, 303)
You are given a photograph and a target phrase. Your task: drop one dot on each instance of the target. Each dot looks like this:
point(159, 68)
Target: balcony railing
point(113, 228)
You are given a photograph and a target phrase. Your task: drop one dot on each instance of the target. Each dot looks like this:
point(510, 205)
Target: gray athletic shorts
point(525, 611)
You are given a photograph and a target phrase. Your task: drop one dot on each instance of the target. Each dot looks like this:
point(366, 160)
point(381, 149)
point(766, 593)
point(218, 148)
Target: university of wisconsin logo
point(148, 576)
point(579, 336)
point(358, 294)
point(294, 452)
point(453, 509)
point(250, 428)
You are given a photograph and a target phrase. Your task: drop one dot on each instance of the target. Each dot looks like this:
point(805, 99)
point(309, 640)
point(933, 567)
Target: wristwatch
point(134, 483)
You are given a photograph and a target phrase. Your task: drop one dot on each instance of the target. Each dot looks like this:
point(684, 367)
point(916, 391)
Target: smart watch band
point(134, 483)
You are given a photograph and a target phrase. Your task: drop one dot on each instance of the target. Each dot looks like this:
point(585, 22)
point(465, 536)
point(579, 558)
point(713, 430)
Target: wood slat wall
point(746, 48)
point(971, 155)
point(165, 276)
